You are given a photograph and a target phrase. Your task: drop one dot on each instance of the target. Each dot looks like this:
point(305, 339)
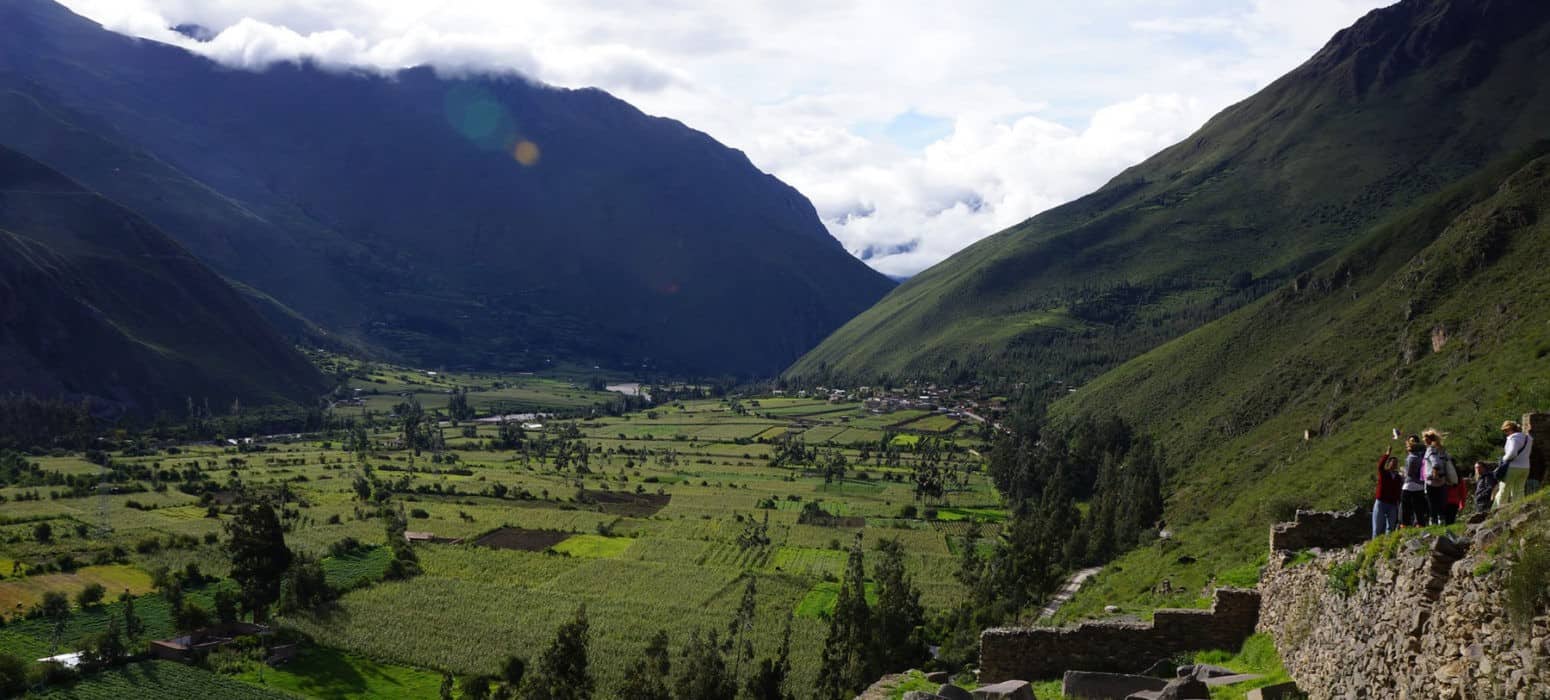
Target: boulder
point(953, 692)
point(1204, 671)
point(1091, 685)
point(922, 695)
point(1185, 689)
point(1005, 690)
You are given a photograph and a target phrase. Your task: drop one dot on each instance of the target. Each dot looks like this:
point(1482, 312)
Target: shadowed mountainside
point(482, 221)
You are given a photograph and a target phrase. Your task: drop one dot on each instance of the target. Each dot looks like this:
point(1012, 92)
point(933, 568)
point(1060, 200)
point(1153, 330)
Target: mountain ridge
point(76, 320)
point(398, 213)
point(1390, 110)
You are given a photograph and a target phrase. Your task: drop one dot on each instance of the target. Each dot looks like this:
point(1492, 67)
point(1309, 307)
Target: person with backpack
point(1440, 477)
point(1385, 506)
point(1512, 470)
point(1413, 510)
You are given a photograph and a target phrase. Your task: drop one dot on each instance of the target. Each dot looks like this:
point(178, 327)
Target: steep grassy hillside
point(1440, 317)
point(1409, 99)
point(481, 221)
point(95, 302)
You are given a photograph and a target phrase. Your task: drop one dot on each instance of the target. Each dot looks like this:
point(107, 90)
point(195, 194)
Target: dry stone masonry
point(1430, 622)
point(1323, 529)
point(1008, 653)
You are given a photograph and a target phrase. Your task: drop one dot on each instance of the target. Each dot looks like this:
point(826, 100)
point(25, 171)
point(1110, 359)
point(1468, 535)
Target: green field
point(647, 537)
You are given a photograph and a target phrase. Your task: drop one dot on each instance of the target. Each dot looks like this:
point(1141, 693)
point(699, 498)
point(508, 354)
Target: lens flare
point(526, 153)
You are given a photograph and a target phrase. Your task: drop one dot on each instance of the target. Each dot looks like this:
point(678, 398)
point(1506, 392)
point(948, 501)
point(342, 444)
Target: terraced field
point(647, 535)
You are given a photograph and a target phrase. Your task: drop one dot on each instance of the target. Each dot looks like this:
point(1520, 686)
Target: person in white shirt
point(1512, 469)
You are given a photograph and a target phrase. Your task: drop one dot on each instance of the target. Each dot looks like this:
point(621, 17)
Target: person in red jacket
point(1385, 506)
point(1458, 495)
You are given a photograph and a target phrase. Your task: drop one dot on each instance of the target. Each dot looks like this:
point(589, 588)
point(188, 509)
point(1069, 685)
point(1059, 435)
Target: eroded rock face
point(1423, 624)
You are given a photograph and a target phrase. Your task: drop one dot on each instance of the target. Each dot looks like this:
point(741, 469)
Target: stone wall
point(1030, 653)
point(1322, 529)
point(1537, 425)
point(1423, 624)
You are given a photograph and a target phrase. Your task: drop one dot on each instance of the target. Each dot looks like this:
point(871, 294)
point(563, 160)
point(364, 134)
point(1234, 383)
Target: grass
point(1231, 402)
point(1258, 655)
point(820, 601)
point(330, 673)
point(28, 591)
point(163, 680)
point(594, 546)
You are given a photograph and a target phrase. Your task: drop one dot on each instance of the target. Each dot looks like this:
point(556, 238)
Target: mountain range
point(1409, 99)
point(479, 221)
point(96, 303)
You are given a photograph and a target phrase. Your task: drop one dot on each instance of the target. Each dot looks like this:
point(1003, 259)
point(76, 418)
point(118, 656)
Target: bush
point(1528, 583)
point(419, 513)
point(91, 595)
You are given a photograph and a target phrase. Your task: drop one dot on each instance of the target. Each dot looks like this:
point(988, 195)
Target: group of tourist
point(1426, 488)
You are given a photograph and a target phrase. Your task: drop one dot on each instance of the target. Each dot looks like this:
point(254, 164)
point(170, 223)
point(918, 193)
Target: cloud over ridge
point(1003, 109)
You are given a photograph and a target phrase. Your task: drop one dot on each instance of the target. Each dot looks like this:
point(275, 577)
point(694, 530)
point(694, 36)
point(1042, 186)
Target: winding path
point(1073, 585)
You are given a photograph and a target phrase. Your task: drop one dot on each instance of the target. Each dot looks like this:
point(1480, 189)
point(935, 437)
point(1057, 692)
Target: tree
point(475, 687)
point(43, 533)
point(740, 631)
point(446, 686)
point(457, 406)
point(702, 673)
point(226, 602)
point(91, 595)
point(646, 677)
point(191, 617)
point(305, 586)
point(513, 670)
point(845, 664)
point(562, 672)
point(899, 615)
point(133, 625)
point(768, 682)
point(55, 607)
point(13, 674)
point(107, 647)
point(259, 557)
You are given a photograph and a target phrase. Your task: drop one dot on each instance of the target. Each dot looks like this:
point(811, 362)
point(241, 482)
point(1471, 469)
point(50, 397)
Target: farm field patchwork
point(651, 523)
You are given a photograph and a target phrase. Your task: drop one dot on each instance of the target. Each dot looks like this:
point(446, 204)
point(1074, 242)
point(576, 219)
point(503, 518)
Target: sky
point(916, 128)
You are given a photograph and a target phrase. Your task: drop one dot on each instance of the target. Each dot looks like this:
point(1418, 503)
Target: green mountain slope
point(97, 303)
point(1440, 317)
point(480, 220)
point(1407, 100)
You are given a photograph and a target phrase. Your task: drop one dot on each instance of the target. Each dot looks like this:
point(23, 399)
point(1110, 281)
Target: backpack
point(1448, 475)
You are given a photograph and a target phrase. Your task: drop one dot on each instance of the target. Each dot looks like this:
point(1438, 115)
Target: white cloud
point(1045, 100)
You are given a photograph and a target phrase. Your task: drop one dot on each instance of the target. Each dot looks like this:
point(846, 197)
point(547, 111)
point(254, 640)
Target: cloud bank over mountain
point(914, 130)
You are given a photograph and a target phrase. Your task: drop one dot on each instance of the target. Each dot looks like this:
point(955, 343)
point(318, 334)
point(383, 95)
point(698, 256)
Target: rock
point(1203, 671)
point(1005, 690)
point(1162, 669)
point(1102, 686)
point(1111, 609)
point(938, 677)
point(953, 692)
point(1279, 691)
point(921, 695)
point(1451, 671)
point(1185, 689)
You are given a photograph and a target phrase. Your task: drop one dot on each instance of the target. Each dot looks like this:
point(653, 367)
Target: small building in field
point(188, 646)
point(416, 537)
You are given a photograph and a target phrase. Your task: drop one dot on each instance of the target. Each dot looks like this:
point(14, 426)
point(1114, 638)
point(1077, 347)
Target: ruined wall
point(1431, 622)
point(1025, 653)
point(1325, 529)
